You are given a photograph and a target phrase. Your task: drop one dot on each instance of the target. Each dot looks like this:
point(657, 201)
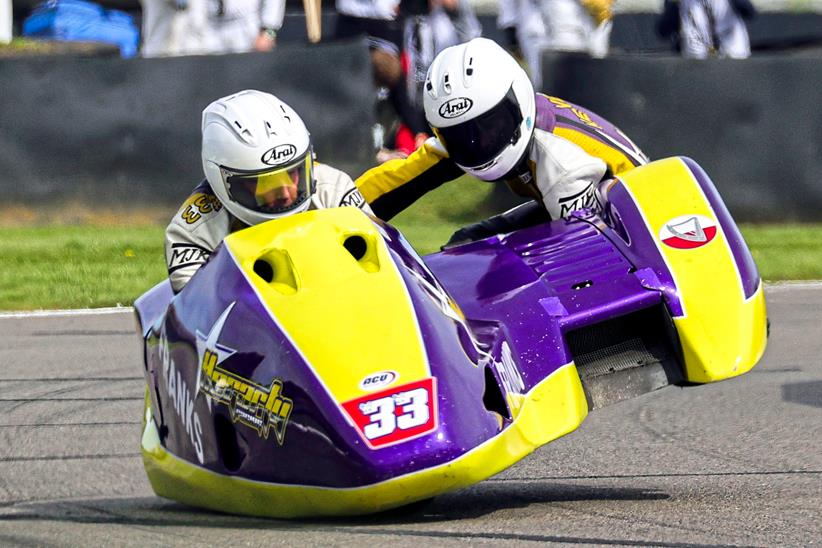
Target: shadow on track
point(470, 503)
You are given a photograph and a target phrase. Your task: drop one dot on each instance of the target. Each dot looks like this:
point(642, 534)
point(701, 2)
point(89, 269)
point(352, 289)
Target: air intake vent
point(231, 451)
point(626, 356)
point(356, 245)
point(493, 399)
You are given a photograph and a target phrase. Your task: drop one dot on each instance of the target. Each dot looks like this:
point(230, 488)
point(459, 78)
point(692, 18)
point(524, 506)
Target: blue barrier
point(81, 21)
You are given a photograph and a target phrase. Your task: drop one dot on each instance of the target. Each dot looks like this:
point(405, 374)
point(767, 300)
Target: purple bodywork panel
point(520, 293)
point(540, 283)
point(742, 255)
point(525, 291)
point(320, 446)
point(625, 227)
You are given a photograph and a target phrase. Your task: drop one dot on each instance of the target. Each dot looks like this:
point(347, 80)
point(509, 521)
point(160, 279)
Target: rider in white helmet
point(488, 121)
point(259, 165)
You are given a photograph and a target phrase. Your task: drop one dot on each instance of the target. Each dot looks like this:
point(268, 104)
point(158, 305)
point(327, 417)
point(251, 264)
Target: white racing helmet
point(257, 156)
point(480, 104)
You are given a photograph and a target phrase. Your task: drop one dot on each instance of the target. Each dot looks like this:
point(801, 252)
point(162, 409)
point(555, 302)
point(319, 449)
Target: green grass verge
point(85, 265)
point(56, 267)
point(786, 252)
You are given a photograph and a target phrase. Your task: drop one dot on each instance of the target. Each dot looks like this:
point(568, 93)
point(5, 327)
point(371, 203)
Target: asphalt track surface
point(738, 463)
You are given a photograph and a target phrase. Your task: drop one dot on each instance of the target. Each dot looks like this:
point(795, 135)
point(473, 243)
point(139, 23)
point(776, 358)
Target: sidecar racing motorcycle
point(317, 365)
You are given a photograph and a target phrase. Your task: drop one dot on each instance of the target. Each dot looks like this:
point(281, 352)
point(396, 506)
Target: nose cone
point(328, 280)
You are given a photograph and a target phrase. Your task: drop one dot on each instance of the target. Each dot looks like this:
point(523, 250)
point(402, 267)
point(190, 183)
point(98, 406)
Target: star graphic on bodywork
point(207, 345)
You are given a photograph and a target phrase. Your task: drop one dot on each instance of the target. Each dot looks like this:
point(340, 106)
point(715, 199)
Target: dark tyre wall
point(107, 130)
point(755, 125)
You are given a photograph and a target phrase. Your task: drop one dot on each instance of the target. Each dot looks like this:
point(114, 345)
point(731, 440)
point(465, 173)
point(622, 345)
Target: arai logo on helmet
point(279, 154)
point(378, 380)
point(456, 107)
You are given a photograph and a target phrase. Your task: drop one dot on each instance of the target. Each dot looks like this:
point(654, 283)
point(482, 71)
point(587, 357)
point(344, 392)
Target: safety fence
point(107, 131)
point(755, 125)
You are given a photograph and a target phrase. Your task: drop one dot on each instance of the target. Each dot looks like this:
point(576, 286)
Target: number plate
point(395, 415)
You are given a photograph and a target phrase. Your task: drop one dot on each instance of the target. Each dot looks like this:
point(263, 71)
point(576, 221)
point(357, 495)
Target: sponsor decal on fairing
point(508, 372)
point(259, 407)
point(688, 231)
point(180, 397)
point(396, 414)
point(378, 380)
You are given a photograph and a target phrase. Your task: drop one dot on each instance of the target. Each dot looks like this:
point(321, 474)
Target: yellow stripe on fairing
point(348, 318)
point(722, 333)
point(553, 408)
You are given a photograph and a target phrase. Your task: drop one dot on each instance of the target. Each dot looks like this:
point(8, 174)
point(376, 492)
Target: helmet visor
point(477, 142)
point(272, 191)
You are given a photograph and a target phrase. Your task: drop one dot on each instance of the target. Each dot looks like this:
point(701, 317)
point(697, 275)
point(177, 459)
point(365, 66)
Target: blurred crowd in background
point(403, 36)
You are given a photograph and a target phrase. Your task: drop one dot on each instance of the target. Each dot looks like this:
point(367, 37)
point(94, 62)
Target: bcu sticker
point(378, 380)
point(688, 231)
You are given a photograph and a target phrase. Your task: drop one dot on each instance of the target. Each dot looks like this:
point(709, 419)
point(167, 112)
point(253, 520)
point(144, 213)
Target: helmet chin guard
point(257, 156)
point(480, 104)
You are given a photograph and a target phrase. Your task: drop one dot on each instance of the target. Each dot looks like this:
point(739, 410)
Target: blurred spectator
point(174, 27)
point(444, 23)
point(5, 21)
point(703, 28)
point(429, 27)
point(381, 22)
point(191, 27)
point(534, 26)
point(452, 22)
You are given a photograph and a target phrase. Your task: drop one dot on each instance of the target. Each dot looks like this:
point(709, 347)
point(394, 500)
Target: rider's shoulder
point(326, 174)
point(200, 206)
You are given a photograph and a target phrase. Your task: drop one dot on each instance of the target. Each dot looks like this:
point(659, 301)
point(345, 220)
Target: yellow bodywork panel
point(554, 407)
point(347, 311)
point(722, 333)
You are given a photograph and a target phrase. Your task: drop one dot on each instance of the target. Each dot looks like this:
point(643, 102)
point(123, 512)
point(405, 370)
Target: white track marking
point(76, 312)
point(781, 287)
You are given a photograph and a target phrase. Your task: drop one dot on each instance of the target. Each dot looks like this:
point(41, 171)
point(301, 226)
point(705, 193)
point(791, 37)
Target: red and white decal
point(688, 231)
point(395, 415)
point(378, 380)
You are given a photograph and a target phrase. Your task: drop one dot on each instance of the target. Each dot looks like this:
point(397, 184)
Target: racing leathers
point(202, 222)
point(572, 149)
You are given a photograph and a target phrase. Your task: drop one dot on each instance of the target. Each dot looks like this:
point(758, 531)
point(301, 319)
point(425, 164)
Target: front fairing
point(317, 442)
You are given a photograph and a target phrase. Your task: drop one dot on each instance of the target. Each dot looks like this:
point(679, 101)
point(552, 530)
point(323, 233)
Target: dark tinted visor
point(477, 142)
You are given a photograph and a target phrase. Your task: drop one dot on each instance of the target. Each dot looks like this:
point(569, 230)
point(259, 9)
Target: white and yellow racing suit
point(202, 222)
point(572, 150)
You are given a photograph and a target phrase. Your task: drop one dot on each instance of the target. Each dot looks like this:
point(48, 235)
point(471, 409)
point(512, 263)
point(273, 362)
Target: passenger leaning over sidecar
point(488, 121)
point(259, 165)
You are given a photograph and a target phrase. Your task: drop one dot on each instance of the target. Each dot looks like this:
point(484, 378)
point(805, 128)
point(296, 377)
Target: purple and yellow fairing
point(318, 366)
